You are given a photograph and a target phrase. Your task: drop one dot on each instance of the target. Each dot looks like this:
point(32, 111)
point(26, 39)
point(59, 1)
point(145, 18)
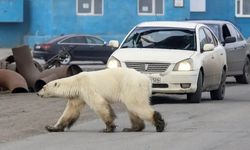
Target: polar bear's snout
point(41, 93)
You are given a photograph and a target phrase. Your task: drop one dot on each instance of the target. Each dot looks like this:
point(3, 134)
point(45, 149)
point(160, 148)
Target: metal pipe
point(13, 81)
point(25, 65)
point(55, 73)
point(33, 76)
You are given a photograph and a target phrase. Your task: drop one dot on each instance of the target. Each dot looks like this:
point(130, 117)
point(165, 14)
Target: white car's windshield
point(165, 38)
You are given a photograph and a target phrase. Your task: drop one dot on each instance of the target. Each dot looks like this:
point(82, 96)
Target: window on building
point(89, 7)
point(197, 5)
point(242, 8)
point(150, 7)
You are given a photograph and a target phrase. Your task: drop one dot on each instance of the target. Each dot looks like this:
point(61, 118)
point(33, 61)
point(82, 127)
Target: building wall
point(44, 19)
point(12, 22)
point(224, 10)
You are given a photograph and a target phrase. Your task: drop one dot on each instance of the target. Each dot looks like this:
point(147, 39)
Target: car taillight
point(45, 46)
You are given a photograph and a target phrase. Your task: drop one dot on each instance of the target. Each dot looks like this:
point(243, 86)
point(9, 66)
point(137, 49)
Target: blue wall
point(44, 19)
point(36, 21)
point(11, 10)
point(12, 25)
point(59, 17)
point(225, 10)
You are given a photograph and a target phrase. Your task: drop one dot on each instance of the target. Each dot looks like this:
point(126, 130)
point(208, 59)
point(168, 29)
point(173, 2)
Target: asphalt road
point(210, 125)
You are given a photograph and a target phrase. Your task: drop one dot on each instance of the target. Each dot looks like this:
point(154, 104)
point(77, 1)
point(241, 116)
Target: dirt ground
point(24, 115)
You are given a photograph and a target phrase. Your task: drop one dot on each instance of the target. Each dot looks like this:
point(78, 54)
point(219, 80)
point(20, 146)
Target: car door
point(99, 49)
point(218, 56)
point(209, 61)
point(76, 45)
point(235, 51)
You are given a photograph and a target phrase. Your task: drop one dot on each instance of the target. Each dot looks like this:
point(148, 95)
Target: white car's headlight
point(113, 63)
point(184, 65)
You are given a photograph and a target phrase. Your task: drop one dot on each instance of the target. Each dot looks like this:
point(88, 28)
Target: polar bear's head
point(60, 88)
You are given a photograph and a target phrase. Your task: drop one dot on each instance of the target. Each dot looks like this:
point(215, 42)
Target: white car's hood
point(151, 55)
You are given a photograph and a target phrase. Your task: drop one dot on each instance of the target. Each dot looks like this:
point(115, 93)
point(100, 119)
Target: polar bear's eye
point(55, 84)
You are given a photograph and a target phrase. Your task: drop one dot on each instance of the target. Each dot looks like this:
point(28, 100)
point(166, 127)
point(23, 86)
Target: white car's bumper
point(174, 82)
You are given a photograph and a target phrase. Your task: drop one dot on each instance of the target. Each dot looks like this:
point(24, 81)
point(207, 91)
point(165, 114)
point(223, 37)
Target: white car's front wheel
point(196, 97)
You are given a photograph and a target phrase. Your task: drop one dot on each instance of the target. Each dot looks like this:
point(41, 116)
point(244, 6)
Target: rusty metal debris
point(56, 73)
point(35, 78)
point(12, 81)
point(19, 73)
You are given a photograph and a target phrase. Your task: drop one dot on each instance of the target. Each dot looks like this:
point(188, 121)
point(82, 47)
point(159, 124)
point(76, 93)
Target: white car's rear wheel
point(196, 97)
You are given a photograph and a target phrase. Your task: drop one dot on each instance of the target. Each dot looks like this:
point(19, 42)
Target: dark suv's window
point(93, 40)
point(74, 40)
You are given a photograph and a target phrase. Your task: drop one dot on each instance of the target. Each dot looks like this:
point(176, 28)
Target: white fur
point(103, 87)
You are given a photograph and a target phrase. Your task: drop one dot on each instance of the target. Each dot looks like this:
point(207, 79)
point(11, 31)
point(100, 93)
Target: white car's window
point(202, 38)
point(215, 28)
point(165, 38)
point(210, 37)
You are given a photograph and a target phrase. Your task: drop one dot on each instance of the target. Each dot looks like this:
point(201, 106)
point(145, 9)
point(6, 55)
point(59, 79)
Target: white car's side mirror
point(113, 43)
point(208, 47)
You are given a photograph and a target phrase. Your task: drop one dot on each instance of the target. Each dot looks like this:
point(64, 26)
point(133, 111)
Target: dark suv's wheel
point(245, 77)
point(196, 97)
point(219, 93)
point(67, 59)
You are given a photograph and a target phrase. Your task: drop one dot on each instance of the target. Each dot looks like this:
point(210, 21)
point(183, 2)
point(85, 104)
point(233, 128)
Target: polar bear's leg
point(107, 114)
point(137, 123)
point(104, 110)
point(146, 112)
point(69, 116)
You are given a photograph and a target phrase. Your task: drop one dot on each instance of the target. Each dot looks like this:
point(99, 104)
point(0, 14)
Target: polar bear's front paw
point(110, 128)
point(54, 129)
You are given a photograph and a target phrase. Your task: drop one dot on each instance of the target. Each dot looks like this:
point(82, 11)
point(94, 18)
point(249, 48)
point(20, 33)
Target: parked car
point(237, 48)
point(81, 48)
point(178, 57)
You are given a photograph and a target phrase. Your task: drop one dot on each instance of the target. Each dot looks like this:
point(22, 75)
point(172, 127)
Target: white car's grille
point(148, 67)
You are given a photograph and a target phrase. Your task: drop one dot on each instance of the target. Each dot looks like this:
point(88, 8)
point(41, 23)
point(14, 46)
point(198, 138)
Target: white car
point(178, 57)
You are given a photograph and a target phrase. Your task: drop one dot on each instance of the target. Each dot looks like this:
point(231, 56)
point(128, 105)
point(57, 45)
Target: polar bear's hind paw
point(54, 129)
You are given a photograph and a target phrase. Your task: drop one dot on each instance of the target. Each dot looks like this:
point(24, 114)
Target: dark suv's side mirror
point(229, 39)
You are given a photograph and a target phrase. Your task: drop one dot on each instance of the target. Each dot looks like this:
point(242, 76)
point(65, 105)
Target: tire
point(245, 77)
point(67, 59)
point(196, 97)
point(38, 66)
point(219, 93)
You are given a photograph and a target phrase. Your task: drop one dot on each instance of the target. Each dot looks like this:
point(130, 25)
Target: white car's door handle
point(221, 54)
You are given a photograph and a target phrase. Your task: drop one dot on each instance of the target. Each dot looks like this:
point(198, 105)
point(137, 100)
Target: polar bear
point(99, 89)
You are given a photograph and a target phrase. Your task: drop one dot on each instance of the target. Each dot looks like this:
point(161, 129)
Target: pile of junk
point(20, 73)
